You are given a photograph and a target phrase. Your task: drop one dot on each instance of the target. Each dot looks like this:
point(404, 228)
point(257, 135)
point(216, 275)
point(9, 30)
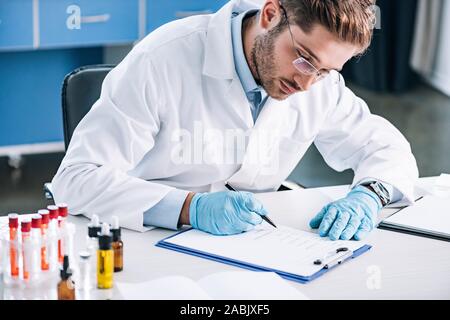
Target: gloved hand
point(352, 217)
point(225, 213)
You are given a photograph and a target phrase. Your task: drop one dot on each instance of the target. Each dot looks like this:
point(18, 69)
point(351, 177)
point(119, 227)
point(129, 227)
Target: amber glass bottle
point(66, 287)
point(117, 245)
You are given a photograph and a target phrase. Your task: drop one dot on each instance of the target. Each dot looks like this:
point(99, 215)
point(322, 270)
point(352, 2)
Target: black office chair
point(81, 88)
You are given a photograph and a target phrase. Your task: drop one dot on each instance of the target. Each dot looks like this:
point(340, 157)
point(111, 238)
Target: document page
point(294, 208)
point(167, 288)
point(242, 285)
point(282, 249)
point(233, 285)
point(430, 214)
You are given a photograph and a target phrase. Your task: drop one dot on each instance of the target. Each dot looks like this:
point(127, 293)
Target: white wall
point(440, 77)
point(431, 48)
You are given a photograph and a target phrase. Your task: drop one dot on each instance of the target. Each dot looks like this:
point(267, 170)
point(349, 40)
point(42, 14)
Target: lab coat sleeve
point(166, 213)
point(109, 142)
point(353, 138)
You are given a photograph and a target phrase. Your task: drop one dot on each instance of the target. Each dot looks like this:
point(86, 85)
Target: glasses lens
point(304, 66)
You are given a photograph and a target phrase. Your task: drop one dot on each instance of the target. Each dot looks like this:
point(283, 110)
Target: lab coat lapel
point(219, 64)
point(239, 103)
point(219, 61)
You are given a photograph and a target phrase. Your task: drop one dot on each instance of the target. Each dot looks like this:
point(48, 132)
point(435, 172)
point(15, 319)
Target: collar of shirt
point(243, 70)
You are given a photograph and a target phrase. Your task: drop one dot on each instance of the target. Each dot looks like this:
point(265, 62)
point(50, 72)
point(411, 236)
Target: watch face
point(381, 192)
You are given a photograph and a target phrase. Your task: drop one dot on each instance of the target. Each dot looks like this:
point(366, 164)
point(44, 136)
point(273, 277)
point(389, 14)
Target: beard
point(263, 63)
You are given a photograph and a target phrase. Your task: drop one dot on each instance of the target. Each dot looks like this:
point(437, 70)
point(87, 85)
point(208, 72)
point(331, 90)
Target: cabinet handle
point(184, 14)
point(96, 19)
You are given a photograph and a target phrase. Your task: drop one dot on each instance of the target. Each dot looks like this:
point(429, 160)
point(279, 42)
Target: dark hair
point(351, 21)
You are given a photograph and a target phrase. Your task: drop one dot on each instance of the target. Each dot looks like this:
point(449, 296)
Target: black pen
point(264, 217)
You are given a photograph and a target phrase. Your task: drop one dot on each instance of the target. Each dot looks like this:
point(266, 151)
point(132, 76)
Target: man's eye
point(304, 56)
point(309, 59)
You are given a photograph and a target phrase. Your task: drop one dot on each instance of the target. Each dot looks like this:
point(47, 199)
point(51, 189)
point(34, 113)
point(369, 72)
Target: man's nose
point(304, 81)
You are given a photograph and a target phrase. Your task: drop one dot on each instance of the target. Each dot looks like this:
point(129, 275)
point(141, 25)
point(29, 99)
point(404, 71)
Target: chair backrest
point(81, 88)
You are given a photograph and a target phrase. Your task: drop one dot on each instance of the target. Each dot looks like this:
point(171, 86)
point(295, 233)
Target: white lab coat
point(181, 78)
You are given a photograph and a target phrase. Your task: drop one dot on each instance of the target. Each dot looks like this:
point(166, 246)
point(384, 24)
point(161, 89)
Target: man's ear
point(271, 14)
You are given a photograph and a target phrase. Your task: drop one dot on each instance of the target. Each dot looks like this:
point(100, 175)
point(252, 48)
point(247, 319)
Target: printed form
point(283, 249)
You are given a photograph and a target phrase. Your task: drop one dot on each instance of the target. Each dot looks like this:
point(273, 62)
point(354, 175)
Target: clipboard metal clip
point(338, 257)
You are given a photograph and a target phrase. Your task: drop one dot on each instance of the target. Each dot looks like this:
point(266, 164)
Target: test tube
point(13, 247)
point(45, 214)
point(54, 213)
point(62, 213)
point(52, 246)
point(36, 247)
point(26, 248)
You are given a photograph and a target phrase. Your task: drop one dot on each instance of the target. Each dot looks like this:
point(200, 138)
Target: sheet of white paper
point(167, 288)
point(441, 187)
point(418, 193)
point(284, 249)
point(249, 285)
point(235, 285)
point(443, 181)
point(294, 208)
point(429, 214)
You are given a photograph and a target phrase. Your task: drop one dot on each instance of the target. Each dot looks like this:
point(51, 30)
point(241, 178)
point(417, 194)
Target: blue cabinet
point(75, 31)
point(161, 12)
point(30, 87)
point(87, 22)
point(16, 24)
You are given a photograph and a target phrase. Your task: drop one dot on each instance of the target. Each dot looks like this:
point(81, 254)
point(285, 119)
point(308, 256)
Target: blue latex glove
point(225, 213)
point(352, 217)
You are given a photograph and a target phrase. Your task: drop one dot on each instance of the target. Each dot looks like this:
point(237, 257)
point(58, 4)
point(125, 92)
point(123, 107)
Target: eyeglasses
point(301, 63)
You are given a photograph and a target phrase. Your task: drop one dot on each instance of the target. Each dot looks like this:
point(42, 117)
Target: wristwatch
point(380, 191)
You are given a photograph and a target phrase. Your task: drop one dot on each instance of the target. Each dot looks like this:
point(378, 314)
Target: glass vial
point(85, 284)
point(62, 217)
point(52, 246)
point(85, 271)
point(117, 245)
point(66, 287)
point(14, 244)
point(94, 229)
point(105, 259)
point(45, 214)
point(25, 227)
point(36, 247)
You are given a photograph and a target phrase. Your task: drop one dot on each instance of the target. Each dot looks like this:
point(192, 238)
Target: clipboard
point(415, 220)
point(331, 263)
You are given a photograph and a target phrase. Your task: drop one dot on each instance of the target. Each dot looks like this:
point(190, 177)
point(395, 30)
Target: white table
point(399, 266)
